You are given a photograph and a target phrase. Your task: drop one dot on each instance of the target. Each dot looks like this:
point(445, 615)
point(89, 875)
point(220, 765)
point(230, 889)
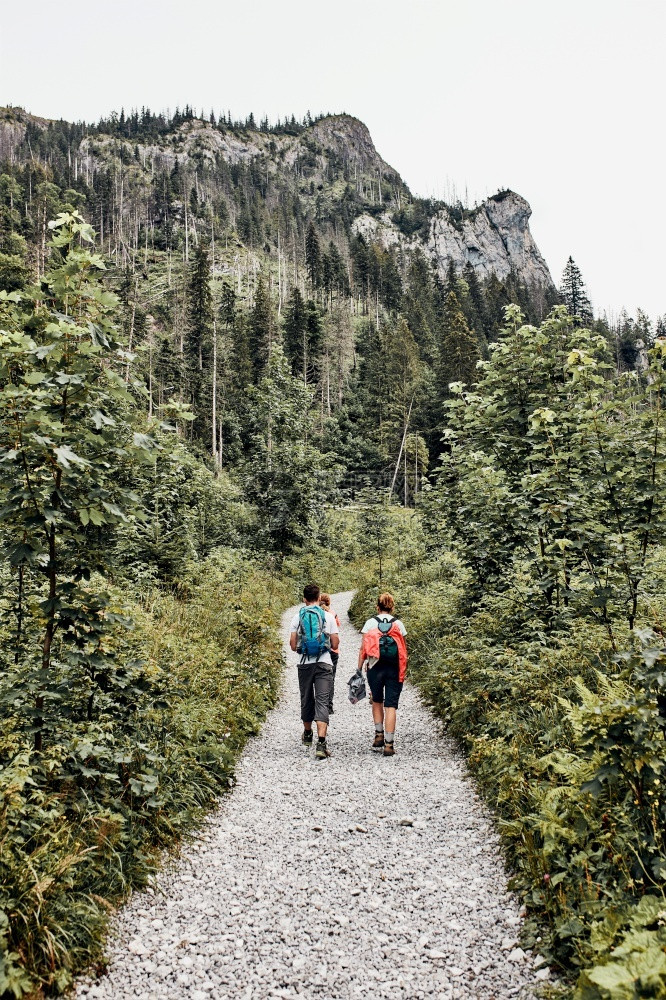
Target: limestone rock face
point(13, 127)
point(495, 238)
point(332, 160)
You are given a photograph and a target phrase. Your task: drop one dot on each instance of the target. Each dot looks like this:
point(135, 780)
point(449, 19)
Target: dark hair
point(311, 591)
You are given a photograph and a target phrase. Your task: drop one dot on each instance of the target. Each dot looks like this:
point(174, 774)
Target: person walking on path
point(325, 602)
point(314, 634)
point(384, 650)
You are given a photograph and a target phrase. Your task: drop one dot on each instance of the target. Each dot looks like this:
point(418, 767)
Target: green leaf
point(66, 457)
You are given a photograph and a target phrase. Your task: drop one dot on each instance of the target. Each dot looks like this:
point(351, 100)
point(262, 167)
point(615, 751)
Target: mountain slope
point(331, 167)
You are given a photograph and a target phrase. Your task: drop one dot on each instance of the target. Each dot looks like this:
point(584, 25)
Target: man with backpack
point(384, 650)
point(313, 634)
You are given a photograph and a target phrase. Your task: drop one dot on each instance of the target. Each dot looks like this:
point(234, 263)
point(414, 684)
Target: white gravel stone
point(351, 877)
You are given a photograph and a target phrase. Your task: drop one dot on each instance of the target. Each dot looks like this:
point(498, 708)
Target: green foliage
point(284, 476)
point(65, 440)
point(551, 462)
point(82, 823)
point(545, 535)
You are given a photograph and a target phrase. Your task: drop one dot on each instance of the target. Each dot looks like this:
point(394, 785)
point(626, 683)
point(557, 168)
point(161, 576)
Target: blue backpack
point(311, 625)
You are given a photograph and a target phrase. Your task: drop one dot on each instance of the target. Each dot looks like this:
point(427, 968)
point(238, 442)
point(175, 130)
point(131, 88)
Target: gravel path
point(359, 876)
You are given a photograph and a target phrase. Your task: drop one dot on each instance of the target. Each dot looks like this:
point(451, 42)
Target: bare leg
point(378, 713)
point(390, 715)
point(322, 729)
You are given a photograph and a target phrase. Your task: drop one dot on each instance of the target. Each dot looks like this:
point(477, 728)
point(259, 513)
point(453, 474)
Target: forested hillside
point(238, 356)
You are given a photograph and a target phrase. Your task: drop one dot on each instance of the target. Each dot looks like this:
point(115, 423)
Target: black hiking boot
point(378, 742)
point(322, 751)
point(306, 738)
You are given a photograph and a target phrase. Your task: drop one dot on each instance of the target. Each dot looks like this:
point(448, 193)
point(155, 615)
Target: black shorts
point(384, 684)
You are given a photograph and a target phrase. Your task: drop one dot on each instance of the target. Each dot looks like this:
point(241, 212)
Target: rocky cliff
point(331, 163)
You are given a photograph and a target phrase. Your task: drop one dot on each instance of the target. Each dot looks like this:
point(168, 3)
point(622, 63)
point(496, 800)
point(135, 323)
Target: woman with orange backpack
point(384, 651)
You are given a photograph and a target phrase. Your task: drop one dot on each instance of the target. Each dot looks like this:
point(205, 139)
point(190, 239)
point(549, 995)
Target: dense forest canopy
point(221, 254)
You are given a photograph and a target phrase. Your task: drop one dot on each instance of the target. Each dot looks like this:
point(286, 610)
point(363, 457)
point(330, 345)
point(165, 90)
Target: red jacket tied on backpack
point(370, 647)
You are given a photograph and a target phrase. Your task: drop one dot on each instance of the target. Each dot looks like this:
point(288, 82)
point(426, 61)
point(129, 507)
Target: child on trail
point(384, 650)
point(325, 602)
point(314, 634)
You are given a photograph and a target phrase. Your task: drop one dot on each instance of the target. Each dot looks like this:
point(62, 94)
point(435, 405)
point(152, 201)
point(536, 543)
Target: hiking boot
point(322, 751)
point(306, 738)
point(378, 741)
point(389, 749)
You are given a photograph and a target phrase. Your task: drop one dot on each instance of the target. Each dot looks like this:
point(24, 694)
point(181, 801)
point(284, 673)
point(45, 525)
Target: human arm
point(332, 632)
point(293, 640)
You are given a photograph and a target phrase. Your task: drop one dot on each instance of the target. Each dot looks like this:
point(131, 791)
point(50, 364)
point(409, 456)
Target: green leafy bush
point(84, 821)
point(535, 631)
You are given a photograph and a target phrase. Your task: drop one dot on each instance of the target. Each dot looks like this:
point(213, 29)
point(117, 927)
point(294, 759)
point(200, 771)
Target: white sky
point(561, 100)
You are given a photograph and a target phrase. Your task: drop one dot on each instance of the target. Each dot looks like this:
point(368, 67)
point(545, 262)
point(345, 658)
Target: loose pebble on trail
point(358, 876)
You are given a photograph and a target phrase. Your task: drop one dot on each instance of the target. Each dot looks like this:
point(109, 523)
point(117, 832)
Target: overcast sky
point(561, 101)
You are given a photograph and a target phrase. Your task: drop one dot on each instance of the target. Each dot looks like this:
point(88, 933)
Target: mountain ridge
point(326, 157)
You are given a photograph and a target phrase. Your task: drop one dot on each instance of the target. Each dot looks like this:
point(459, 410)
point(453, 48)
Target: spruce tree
point(574, 294)
point(451, 277)
point(313, 257)
point(458, 348)
point(200, 304)
point(261, 330)
point(476, 306)
point(295, 326)
point(497, 298)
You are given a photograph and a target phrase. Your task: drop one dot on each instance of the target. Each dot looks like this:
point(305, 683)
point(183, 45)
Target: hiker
point(325, 602)
point(384, 650)
point(314, 634)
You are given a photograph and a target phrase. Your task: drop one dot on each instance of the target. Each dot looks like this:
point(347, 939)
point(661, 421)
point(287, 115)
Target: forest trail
point(304, 880)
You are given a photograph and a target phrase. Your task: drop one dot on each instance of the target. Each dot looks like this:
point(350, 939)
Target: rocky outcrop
point(13, 127)
point(494, 237)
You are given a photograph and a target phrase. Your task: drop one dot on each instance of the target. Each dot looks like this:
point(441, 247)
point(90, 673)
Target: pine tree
point(200, 304)
point(476, 306)
point(497, 298)
point(419, 306)
point(295, 325)
point(303, 337)
point(451, 277)
point(261, 330)
point(315, 338)
point(458, 348)
point(574, 294)
point(313, 257)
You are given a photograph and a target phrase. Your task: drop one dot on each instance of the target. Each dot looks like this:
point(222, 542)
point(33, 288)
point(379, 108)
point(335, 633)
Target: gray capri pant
point(315, 682)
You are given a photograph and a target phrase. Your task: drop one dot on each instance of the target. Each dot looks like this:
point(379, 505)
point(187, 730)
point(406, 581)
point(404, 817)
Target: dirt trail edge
point(358, 876)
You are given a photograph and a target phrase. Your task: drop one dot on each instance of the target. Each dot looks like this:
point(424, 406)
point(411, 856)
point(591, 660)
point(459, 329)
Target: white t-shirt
point(372, 623)
point(330, 628)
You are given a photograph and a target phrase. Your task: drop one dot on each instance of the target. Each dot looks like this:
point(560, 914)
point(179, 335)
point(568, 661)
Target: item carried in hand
point(356, 685)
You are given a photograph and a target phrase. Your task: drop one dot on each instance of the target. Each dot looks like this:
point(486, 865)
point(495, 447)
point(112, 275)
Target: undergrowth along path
point(352, 877)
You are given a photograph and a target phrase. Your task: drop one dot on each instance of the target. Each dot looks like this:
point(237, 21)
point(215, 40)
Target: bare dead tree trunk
point(214, 414)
